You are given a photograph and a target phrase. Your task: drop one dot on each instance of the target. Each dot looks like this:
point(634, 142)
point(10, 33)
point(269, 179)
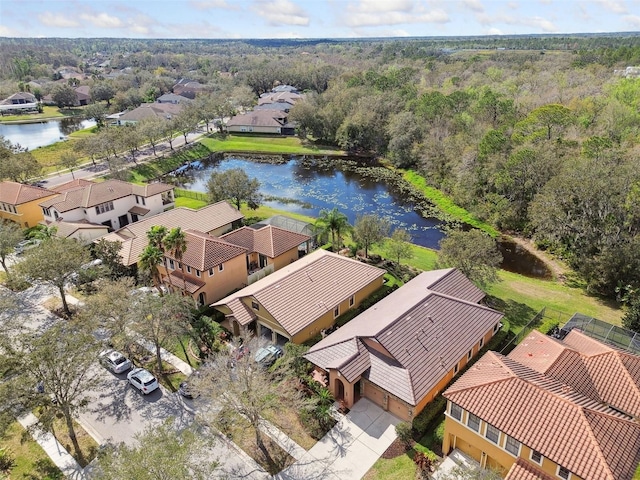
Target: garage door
point(374, 394)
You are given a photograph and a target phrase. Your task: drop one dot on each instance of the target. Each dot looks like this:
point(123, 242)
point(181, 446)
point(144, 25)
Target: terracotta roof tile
point(133, 237)
point(205, 251)
point(15, 193)
point(550, 417)
point(523, 470)
point(303, 291)
point(78, 182)
point(192, 284)
point(268, 240)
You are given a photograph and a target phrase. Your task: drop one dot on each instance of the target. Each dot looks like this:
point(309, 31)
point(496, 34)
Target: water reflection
point(40, 134)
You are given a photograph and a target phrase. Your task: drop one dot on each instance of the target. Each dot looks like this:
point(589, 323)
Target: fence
point(535, 322)
point(612, 334)
point(179, 192)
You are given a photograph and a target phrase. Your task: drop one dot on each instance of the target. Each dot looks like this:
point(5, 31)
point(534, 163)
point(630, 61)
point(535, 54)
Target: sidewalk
point(58, 454)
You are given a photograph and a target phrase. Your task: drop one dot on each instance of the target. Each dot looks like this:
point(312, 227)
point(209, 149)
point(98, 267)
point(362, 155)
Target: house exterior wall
point(27, 214)
point(253, 129)
point(285, 259)
point(458, 435)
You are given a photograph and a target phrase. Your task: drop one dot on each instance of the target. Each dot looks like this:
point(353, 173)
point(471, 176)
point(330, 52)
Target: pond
point(40, 134)
point(301, 189)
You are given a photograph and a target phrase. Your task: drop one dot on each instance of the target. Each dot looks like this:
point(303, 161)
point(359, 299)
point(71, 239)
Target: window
point(171, 265)
point(188, 269)
point(55, 214)
point(211, 272)
point(336, 312)
point(197, 272)
point(143, 202)
point(221, 267)
point(496, 327)
point(104, 207)
point(473, 422)
point(563, 473)
point(481, 342)
point(469, 354)
point(137, 199)
point(352, 300)
point(512, 446)
point(456, 411)
point(492, 433)
point(255, 305)
point(46, 211)
point(536, 456)
point(455, 369)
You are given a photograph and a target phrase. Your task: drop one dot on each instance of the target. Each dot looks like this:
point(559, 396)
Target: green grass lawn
point(399, 468)
point(47, 112)
point(49, 156)
point(259, 144)
point(190, 202)
point(85, 132)
point(31, 462)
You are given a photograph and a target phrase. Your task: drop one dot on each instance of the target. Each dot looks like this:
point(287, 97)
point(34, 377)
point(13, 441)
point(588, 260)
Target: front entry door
point(123, 220)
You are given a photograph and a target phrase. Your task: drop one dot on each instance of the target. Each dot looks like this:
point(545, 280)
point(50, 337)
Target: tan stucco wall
point(457, 435)
point(285, 259)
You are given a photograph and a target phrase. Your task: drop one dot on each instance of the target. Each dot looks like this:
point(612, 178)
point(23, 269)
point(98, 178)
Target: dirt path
point(558, 268)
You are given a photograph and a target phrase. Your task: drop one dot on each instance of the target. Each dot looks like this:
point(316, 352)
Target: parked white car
point(115, 361)
point(143, 380)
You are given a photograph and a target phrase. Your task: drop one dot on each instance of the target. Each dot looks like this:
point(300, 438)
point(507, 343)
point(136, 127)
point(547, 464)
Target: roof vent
point(430, 318)
point(408, 352)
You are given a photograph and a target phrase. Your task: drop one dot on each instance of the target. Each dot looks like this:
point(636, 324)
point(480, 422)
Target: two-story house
point(19, 203)
point(113, 203)
point(549, 410)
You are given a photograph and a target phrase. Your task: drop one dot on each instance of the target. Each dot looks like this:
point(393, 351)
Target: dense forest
point(538, 135)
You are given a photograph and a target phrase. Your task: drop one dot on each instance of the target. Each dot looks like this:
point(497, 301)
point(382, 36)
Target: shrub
point(6, 460)
point(438, 435)
point(404, 432)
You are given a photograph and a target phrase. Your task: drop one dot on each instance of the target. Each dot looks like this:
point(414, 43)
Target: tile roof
point(152, 110)
point(78, 182)
point(272, 97)
point(205, 251)
point(303, 291)
point(66, 229)
point(133, 237)
point(15, 193)
point(597, 370)
point(90, 194)
point(259, 118)
point(584, 436)
point(424, 334)
point(179, 280)
point(523, 470)
point(268, 240)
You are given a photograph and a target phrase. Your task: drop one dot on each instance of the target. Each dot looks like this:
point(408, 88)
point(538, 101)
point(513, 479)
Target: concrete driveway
point(350, 449)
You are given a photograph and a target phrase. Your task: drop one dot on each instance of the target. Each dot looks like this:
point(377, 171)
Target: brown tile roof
point(66, 229)
point(303, 291)
point(523, 470)
point(205, 251)
point(78, 182)
point(268, 240)
point(133, 237)
point(597, 370)
point(192, 284)
point(453, 282)
point(92, 194)
point(424, 333)
point(259, 118)
point(138, 210)
point(152, 110)
point(15, 193)
point(570, 429)
point(272, 97)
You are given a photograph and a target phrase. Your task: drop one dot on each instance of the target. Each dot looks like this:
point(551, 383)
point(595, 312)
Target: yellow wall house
point(405, 349)
point(20, 203)
point(300, 300)
point(550, 410)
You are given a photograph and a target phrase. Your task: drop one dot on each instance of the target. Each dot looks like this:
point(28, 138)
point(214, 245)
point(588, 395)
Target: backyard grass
point(31, 462)
point(49, 156)
point(88, 445)
point(287, 420)
point(85, 132)
point(47, 112)
point(260, 144)
point(154, 168)
point(399, 468)
point(190, 203)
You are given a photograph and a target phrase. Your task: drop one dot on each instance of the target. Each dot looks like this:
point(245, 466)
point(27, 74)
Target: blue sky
point(311, 18)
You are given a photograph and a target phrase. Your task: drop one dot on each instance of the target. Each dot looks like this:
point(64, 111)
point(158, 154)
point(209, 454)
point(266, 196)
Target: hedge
point(437, 406)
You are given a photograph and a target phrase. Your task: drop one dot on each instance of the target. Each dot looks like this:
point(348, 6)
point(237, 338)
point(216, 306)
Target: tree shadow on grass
point(43, 469)
point(517, 314)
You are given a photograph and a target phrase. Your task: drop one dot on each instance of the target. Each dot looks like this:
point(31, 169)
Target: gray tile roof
point(303, 291)
point(424, 333)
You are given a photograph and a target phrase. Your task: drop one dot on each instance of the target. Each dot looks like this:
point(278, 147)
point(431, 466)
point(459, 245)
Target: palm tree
point(335, 222)
point(176, 244)
point(156, 236)
point(150, 258)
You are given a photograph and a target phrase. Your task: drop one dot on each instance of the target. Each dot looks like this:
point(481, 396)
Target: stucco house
point(300, 300)
point(172, 98)
point(268, 248)
point(261, 121)
point(165, 111)
point(280, 96)
point(112, 203)
point(549, 410)
point(20, 203)
point(20, 102)
point(405, 349)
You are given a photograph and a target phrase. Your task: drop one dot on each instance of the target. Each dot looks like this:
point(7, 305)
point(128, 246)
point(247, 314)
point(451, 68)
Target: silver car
point(143, 380)
point(115, 361)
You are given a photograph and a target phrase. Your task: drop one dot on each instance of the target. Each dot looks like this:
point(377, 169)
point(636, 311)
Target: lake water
point(351, 193)
point(40, 134)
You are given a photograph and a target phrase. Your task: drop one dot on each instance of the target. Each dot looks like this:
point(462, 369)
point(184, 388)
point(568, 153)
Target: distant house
point(172, 98)
point(83, 95)
point(274, 97)
point(268, 248)
point(261, 121)
point(402, 351)
point(188, 88)
point(300, 300)
point(549, 410)
point(20, 102)
point(19, 203)
point(281, 106)
point(165, 111)
point(285, 88)
point(113, 203)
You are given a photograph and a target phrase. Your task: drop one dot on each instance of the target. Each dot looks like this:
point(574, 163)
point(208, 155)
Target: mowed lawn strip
point(282, 145)
point(30, 459)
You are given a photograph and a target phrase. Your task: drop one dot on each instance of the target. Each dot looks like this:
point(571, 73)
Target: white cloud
point(537, 22)
point(8, 32)
point(494, 31)
point(211, 4)
point(474, 5)
point(615, 6)
point(102, 20)
point(513, 5)
point(58, 20)
point(373, 13)
point(632, 20)
point(281, 12)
